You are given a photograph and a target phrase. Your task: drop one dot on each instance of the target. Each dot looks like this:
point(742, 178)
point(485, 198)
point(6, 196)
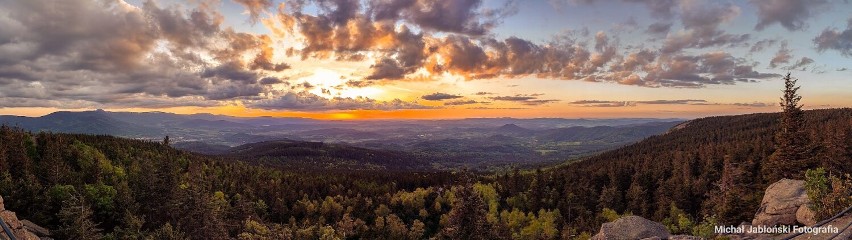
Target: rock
point(632, 227)
point(32, 227)
point(18, 227)
point(806, 216)
point(781, 202)
point(684, 237)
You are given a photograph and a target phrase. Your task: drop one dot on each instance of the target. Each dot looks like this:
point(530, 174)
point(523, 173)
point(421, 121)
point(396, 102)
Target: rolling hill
point(318, 155)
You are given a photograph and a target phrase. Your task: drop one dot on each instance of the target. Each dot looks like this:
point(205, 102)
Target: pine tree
point(467, 219)
point(790, 158)
point(76, 218)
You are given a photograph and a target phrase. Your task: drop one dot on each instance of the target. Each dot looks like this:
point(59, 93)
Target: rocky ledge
point(21, 229)
point(785, 203)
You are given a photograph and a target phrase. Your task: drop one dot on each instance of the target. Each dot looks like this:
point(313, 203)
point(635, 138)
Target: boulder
point(780, 203)
point(632, 227)
point(17, 226)
point(684, 237)
point(805, 215)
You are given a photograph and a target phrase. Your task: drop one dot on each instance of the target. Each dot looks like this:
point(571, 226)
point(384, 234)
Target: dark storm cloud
point(791, 14)
point(838, 40)
point(439, 96)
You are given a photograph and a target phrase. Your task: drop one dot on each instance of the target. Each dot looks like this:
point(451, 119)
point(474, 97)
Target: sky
point(423, 59)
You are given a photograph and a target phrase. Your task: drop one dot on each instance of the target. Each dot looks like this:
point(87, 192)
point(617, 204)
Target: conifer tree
point(467, 219)
point(76, 218)
point(790, 158)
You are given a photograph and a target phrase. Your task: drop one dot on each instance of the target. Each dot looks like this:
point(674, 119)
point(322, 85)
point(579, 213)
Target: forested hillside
point(682, 171)
point(86, 187)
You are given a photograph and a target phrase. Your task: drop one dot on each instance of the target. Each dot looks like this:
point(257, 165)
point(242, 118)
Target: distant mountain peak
point(512, 128)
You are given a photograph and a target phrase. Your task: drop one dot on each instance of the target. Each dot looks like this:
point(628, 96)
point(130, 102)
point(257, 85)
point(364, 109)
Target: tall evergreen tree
point(76, 218)
point(790, 158)
point(467, 219)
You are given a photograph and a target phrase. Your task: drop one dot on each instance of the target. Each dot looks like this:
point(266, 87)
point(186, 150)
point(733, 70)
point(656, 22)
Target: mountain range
point(480, 143)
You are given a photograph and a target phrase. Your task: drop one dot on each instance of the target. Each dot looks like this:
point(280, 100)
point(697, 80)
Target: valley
point(486, 144)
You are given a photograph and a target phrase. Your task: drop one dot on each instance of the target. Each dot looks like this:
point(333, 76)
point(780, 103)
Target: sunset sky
point(350, 59)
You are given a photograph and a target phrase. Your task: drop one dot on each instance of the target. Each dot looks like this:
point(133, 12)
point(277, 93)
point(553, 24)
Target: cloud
point(759, 46)
point(833, 39)
point(753, 104)
point(455, 16)
point(305, 101)
point(110, 53)
point(270, 81)
point(783, 56)
point(341, 29)
point(659, 29)
point(386, 68)
point(525, 99)
point(684, 71)
point(804, 61)
point(439, 96)
point(255, 8)
point(659, 8)
point(483, 93)
point(603, 103)
point(791, 14)
point(701, 24)
point(359, 83)
point(680, 101)
point(461, 102)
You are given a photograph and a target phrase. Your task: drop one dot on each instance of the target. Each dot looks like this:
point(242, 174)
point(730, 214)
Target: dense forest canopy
point(88, 186)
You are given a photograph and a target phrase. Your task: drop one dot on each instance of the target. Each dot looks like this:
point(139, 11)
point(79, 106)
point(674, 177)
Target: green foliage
point(828, 194)
point(144, 189)
point(816, 186)
point(489, 195)
point(678, 222)
point(706, 228)
point(610, 215)
point(76, 219)
point(167, 232)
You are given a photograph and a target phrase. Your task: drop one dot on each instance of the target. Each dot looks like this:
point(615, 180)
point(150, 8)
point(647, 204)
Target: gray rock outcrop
point(17, 226)
point(781, 202)
point(632, 227)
